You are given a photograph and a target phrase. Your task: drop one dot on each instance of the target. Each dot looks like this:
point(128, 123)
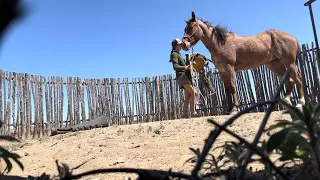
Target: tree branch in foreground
point(65, 173)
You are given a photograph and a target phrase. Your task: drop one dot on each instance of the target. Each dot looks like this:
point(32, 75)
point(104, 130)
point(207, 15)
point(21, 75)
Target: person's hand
point(188, 67)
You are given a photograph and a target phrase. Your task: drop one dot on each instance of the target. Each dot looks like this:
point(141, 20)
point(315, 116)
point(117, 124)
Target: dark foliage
point(10, 11)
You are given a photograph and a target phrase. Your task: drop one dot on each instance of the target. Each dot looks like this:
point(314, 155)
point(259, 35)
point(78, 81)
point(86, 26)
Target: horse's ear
point(186, 21)
point(193, 16)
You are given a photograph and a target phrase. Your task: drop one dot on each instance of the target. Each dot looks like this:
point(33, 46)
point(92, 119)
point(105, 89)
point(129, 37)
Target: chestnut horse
point(231, 53)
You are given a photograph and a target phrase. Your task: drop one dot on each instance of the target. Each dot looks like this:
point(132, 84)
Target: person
point(183, 78)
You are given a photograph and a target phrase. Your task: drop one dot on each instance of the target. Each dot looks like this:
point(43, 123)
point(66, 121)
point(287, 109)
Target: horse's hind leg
point(296, 76)
point(277, 67)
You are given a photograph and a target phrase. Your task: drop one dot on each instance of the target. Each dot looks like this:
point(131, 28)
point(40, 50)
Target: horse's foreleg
point(229, 97)
point(229, 79)
point(225, 80)
point(235, 108)
point(227, 90)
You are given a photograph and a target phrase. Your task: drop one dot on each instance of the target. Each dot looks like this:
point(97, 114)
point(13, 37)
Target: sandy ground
point(156, 145)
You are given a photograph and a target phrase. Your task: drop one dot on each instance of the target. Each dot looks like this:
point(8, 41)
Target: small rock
point(136, 146)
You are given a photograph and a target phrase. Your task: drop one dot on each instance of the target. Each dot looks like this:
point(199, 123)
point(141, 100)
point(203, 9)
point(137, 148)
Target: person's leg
point(191, 91)
point(186, 104)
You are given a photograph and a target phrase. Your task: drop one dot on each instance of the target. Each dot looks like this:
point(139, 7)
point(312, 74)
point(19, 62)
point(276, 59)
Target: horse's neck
point(208, 38)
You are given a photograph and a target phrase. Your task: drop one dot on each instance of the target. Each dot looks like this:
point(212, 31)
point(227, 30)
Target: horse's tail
point(298, 57)
point(299, 54)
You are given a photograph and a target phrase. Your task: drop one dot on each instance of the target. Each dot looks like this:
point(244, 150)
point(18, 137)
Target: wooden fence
point(29, 102)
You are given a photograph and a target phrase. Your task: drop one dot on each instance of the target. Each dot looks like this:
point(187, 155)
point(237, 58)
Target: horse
point(231, 53)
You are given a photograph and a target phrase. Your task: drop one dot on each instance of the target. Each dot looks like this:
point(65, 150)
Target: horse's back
point(281, 35)
point(283, 41)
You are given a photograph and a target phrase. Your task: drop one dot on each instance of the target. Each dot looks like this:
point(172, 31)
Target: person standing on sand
point(183, 78)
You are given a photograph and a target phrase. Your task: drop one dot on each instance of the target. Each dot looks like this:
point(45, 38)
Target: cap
point(176, 41)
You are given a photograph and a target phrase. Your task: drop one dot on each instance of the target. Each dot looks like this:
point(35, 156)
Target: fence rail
point(29, 102)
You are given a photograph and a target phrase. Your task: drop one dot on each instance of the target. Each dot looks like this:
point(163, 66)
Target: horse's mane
point(220, 32)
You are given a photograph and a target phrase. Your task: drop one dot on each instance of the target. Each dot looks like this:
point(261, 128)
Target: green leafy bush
point(295, 141)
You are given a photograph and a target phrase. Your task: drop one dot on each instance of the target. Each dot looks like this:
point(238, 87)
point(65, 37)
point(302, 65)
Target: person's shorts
point(184, 79)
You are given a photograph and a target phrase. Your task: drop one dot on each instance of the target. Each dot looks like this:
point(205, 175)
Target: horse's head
point(192, 33)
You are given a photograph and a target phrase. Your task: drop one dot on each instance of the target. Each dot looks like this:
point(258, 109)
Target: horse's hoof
point(299, 107)
point(285, 111)
point(234, 111)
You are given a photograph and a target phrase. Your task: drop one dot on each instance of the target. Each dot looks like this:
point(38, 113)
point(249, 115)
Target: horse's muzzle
point(186, 46)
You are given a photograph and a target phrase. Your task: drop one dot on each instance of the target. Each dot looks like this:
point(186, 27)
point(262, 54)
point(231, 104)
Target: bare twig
point(53, 144)
point(83, 163)
point(264, 121)
point(151, 174)
point(214, 134)
point(252, 148)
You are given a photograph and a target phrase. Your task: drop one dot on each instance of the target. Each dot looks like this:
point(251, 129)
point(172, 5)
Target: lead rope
point(196, 93)
point(191, 73)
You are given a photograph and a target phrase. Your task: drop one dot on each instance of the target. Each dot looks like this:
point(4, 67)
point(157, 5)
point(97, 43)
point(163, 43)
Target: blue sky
point(111, 39)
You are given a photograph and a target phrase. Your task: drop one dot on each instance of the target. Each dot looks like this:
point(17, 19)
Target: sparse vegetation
point(294, 142)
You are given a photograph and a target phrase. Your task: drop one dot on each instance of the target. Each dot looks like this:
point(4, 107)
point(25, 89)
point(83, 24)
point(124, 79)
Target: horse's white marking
point(234, 111)
point(301, 103)
point(287, 99)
